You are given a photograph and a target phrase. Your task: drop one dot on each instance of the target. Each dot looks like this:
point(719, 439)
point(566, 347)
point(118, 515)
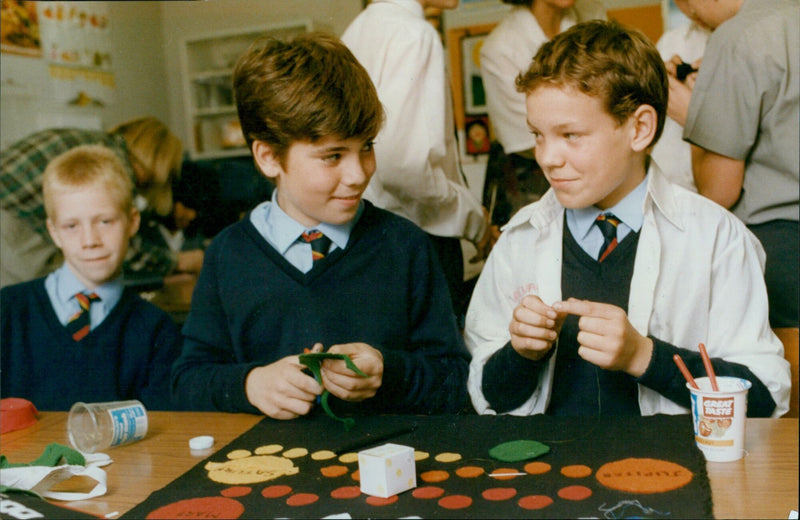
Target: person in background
point(316, 267)
point(419, 175)
point(78, 334)
point(742, 118)
point(683, 44)
point(506, 53)
point(591, 291)
point(183, 229)
point(149, 152)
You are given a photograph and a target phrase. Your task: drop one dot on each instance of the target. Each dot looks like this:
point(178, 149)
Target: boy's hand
point(346, 384)
point(534, 327)
point(606, 337)
point(282, 390)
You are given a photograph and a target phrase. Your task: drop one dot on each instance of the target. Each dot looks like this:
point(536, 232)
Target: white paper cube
point(387, 470)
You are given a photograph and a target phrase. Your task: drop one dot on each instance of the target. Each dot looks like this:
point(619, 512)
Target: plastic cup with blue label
point(94, 427)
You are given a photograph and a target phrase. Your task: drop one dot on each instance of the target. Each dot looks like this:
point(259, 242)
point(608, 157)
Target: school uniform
point(697, 276)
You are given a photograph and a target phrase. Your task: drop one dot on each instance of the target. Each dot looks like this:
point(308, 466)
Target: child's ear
point(645, 122)
point(135, 220)
point(51, 228)
point(266, 160)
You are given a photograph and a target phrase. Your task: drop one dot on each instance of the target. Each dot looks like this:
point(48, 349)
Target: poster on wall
point(76, 33)
point(76, 41)
point(19, 29)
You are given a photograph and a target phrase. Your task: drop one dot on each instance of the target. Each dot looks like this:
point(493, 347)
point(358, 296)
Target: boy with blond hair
point(316, 267)
point(77, 334)
point(591, 291)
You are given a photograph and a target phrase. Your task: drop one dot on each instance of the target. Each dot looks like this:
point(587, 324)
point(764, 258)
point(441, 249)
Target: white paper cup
point(719, 417)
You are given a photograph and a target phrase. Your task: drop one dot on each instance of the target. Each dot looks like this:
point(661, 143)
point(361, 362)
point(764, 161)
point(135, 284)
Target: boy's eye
point(569, 136)
point(332, 158)
point(368, 146)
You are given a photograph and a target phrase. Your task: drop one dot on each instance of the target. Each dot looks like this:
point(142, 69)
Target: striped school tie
point(607, 223)
point(78, 324)
point(319, 243)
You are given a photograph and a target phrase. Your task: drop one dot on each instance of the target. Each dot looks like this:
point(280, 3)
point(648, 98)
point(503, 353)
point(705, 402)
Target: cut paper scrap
point(643, 475)
point(515, 451)
point(250, 470)
point(313, 360)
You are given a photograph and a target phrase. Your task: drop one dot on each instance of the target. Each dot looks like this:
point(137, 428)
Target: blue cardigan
point(128, 356)
point(386, 288)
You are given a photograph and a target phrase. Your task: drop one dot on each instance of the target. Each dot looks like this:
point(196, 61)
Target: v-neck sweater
point(251, 307)
point(127, 356)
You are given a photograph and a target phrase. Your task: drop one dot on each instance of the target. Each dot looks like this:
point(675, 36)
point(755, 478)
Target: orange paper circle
point(576, 471)
point(643, 475)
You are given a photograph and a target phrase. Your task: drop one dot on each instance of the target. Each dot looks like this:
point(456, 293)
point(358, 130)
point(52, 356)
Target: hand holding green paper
point(313, 360)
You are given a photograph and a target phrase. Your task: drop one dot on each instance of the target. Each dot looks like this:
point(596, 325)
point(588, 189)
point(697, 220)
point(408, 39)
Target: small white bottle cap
point(202, 442)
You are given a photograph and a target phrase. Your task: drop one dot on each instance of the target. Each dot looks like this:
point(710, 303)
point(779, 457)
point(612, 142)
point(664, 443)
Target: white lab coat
point(698, 277)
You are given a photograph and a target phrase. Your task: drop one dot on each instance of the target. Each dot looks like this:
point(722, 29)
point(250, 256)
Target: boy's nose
point(91, 236)
point(359, 172)
point(547, 155)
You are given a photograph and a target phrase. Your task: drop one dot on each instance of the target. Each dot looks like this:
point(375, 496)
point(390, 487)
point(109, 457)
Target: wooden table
point(762, 485)
point(174, 296)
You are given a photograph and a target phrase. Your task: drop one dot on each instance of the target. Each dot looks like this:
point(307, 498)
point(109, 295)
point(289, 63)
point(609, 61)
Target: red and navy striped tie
point(319, 243)
point(607, 223)
point(78, 325)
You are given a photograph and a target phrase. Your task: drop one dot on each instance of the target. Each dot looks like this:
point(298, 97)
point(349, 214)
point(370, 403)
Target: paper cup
point(719, 417)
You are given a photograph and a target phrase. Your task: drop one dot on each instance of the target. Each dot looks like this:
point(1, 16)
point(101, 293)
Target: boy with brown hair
point(77, 334)
point(590, 291)
point(317, 267)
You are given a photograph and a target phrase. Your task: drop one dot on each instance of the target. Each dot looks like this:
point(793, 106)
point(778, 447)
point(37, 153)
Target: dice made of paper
point(387, 470)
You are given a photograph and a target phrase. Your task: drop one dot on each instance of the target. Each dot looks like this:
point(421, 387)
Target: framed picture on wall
point(19, 31)
point(476, 130)
point(464, 45)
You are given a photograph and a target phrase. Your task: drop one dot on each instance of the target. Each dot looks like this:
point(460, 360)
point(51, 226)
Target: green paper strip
point(313, 360)
point(515, 451)
point(51, 457)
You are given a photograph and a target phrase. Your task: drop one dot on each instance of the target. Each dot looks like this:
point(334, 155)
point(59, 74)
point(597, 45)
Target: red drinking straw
point(709, 368)
point(685, 371)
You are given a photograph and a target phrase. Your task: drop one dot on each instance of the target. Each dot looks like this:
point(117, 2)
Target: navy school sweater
point(251, 307)
point(128, 356)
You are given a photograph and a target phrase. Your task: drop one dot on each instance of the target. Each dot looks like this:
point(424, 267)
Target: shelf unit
point(212, 125)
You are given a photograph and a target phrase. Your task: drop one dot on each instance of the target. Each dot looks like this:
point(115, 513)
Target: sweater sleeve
point(509, 379)
point(663, 376)
point(429, 375)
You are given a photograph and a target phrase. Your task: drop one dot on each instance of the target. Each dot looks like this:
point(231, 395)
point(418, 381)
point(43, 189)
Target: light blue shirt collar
point(282, 232)
point(628, 211)
point(62, 285)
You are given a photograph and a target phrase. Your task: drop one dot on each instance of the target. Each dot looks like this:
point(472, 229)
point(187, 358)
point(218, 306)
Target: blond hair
point(85, 166)
point(152, 145)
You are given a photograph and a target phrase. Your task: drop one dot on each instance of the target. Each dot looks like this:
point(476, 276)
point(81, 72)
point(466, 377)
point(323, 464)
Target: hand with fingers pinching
point(534, 327)
point(606, 337)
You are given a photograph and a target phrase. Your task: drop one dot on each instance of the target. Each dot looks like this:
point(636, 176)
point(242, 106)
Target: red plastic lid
point(16, 413)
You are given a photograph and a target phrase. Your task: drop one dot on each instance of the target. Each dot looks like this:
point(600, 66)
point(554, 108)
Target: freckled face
point(92, 231)
point(323, 181)
point(584, 153)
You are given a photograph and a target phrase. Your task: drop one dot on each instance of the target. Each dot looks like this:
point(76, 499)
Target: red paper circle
point(496, 494)
point(455, 502)
point(209, 507)
point(535, 502)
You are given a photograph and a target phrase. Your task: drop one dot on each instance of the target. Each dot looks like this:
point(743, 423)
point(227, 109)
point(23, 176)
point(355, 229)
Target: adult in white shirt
point(418, 174)
point(508, 51)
